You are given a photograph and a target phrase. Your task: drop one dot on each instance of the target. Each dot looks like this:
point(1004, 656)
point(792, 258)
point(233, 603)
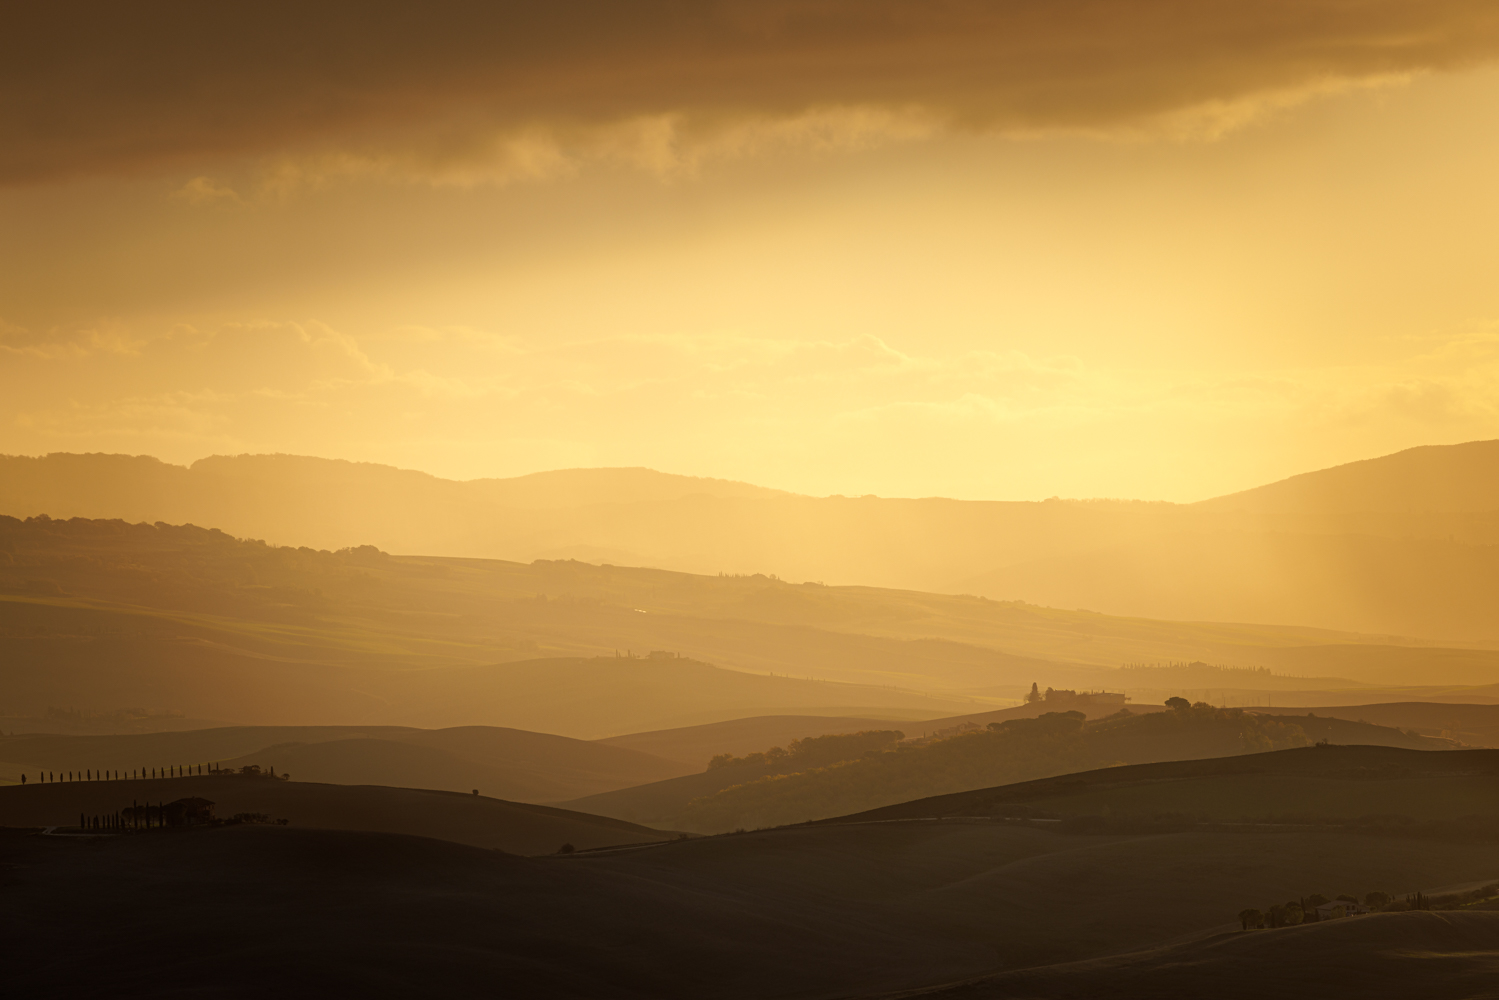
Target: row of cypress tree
point(173, 771)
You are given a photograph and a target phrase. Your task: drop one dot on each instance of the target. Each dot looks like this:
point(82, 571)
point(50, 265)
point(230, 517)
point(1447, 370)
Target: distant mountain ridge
point(1433, 479)
point(300, 500)
point(1404, 545)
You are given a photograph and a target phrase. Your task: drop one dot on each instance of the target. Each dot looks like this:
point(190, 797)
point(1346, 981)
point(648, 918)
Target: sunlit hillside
point(749, 500)
point(105, 616)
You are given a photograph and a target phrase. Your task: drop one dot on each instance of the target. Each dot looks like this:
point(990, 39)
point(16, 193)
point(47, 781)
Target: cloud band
point(108, 87)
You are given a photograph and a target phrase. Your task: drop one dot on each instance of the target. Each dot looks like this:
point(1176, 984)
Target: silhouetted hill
point(1016, 750)
point(1307, 784)
point(102, 616)
point(696, 745)
point(503, 763)
point(461, 817)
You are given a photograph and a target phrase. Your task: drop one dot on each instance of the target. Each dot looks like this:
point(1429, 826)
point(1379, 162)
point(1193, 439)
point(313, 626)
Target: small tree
point(1250, 918)
point(1180, 705)
point(566, 849)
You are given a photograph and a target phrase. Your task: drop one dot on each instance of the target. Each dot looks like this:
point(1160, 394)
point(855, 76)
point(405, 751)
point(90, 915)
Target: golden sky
point(1004, 249)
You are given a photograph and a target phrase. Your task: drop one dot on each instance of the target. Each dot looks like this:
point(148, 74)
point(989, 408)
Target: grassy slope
point(806, 912)
point(478, 820)
point(1444, 956)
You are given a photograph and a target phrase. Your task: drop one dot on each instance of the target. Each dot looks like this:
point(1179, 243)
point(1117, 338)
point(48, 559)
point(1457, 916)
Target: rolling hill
point(696, 745)
point(1473, 725)
point(1447, 479)
point(1450, 954)
point(460, 817)
point(503, 763)
point(770, 793)
point(1398, 545)
point(133, 622)
point(823, 911)
point(1303, 785)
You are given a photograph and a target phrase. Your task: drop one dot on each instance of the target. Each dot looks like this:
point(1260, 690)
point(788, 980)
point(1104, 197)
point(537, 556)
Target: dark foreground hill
point(463, 818)
point(1436, 955)
point(503, 763)
point(807, 912)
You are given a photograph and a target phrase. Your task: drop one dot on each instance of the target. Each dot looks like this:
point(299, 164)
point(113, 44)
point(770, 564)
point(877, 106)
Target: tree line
point(170, 771)
point(191, 811)
point(1310, 909)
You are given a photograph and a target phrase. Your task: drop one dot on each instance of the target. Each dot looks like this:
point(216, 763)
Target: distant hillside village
point(1073, 699)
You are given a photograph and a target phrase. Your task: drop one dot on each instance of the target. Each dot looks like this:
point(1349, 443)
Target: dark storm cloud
point(111, 87)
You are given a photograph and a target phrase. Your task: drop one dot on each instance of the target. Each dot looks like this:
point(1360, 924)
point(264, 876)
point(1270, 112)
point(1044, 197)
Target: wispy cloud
point(103, 337)
point(207, 191)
